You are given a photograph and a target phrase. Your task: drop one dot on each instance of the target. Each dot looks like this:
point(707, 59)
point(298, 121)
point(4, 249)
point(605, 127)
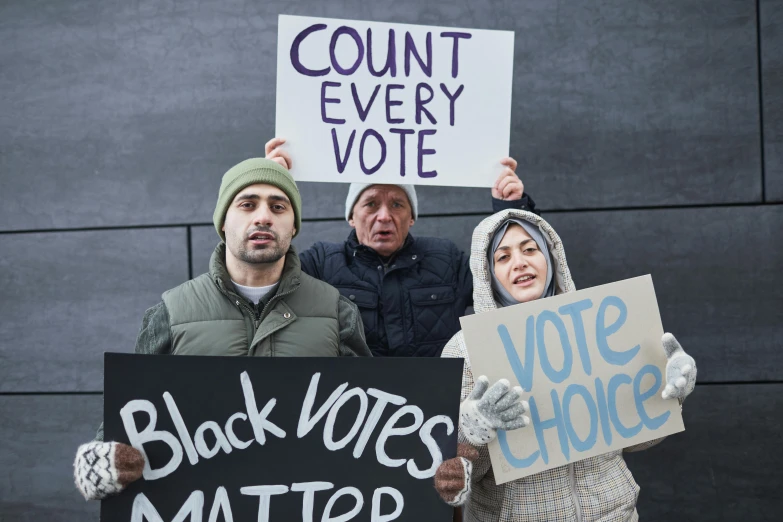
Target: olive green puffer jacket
point(206, 316)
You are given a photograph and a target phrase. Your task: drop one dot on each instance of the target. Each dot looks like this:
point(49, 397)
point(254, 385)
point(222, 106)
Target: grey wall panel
point(457, 229)
point(128, 113)
point(202, 242)
point(141, 107)
point(323, 199)
point(40, 435)
point(640, 103)
point(725, 466)
point(330, 231)
point(771, 15)
point(70, 296)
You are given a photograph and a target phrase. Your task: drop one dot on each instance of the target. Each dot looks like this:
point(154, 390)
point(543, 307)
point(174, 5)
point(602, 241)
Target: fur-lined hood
point(483, 301)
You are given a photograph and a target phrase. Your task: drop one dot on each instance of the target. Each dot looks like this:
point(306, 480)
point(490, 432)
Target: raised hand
point(508, 186)
point(274, 152)
point(680, 370)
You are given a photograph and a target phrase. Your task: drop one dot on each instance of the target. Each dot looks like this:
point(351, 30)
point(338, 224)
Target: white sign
point(592, 367)
point(393, 103)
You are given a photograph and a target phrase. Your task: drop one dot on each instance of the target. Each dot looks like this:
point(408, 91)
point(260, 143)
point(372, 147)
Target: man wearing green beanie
point(251, 172)
point(254, 301)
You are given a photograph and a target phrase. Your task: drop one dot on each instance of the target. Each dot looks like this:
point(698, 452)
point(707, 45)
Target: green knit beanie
point(250, 172)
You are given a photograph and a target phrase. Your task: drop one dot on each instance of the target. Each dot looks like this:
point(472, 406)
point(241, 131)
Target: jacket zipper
point(572, 477)
point(242, 305)
point(257, 318)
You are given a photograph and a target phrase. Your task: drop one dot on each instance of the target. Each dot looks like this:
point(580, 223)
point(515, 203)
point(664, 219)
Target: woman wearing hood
point(517, 257)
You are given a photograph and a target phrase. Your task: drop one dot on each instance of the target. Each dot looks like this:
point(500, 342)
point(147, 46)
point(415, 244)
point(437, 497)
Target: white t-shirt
point(254, 293)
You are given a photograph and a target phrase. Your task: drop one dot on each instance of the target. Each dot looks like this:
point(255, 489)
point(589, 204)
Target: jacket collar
point(289, 280)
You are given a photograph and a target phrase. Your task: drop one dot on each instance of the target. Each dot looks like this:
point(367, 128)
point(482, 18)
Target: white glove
point(105, 468)
point(680, 370)
point(482, 414)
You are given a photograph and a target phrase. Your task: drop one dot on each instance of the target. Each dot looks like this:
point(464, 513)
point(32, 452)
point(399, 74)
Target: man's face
point(259, 224)
point(382, 216)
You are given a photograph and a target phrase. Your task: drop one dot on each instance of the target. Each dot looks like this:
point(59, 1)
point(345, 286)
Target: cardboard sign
point(280, 439)
point(376, 102)
point(592, 366)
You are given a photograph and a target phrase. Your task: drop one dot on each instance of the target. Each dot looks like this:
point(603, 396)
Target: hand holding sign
point(273, 150)
point(680, 370)
point(508, 186)
point(105, 468)
point(452, 479)
point(484, 412)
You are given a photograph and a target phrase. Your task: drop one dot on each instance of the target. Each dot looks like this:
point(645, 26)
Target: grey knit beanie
point(250, 172)
point(356, 189)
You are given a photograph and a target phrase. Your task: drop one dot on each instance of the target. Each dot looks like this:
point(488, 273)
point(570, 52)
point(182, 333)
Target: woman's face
point(519, 265)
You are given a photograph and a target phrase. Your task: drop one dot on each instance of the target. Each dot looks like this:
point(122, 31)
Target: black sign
point(247, 439)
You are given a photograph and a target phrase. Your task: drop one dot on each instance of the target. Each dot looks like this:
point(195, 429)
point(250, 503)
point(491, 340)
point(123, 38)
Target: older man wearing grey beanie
point(411, 291)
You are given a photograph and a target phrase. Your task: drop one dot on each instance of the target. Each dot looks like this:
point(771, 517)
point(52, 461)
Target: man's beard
point(268, 254)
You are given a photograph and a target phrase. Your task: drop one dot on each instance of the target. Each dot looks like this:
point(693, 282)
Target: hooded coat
point(598, 489)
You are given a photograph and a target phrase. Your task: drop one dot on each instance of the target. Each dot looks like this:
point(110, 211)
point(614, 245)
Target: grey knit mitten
point(680, 370)
point(105, 468)
point(486, 411)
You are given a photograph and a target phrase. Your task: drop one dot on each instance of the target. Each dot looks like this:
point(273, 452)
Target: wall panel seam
point(544, 212)
point(760, 81)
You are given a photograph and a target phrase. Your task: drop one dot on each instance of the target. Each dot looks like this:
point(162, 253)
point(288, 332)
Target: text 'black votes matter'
point(321, 446)
point(226, 439)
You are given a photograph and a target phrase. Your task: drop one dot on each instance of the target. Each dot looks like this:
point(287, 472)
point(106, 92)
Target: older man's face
point(382, 216)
